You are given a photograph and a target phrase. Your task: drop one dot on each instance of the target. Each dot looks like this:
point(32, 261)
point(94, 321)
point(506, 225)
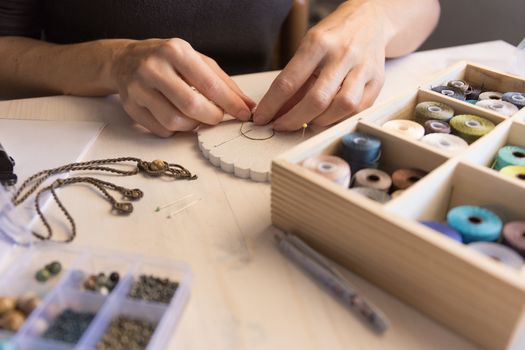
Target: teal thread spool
point(510, 155)
point(475, 223)
point(470, 127)
point(433, 111)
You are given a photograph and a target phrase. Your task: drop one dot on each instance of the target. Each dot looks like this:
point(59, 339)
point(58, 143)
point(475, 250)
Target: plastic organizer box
point(472, 294)
point(20, 260)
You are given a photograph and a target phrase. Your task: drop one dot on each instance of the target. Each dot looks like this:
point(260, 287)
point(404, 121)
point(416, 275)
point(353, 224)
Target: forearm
point(36, 68)
point(405, 23)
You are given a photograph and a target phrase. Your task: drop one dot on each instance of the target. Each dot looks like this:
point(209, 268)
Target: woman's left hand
point(337, 71)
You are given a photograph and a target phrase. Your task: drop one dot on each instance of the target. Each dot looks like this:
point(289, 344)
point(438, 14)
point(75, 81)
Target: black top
point(239, 34)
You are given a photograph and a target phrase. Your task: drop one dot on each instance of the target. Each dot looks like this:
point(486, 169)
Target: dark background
point(463, 21)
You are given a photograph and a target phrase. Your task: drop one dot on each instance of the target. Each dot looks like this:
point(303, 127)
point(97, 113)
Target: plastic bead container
point(20, 262)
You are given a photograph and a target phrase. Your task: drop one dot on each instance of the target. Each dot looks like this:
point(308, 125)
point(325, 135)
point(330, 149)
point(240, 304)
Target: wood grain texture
point(245, 295)
point(385, 244)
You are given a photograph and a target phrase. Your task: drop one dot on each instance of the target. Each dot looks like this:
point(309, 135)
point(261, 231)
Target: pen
point(323, 272)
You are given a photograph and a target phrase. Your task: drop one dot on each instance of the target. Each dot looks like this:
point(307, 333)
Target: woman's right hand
point(167, 86)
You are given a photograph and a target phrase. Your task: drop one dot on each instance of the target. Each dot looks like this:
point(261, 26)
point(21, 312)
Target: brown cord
point(155, 168)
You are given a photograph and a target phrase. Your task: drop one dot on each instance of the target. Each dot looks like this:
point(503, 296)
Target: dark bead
point(114, 277)
point(42, 275)
point(54, 268)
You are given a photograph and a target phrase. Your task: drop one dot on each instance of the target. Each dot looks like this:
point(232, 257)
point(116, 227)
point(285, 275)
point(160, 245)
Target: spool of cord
point(433, 111)
point(444, 230)
point(510, 155)
point(404, 178)
point(516, 98)
point(373, 178)
point(333, 168)
point(498, 252)
point(490, 95)
point(450, 91)
point(407, 128)
point(436, 126)
point(451, 144)
point(473, 93)
point(459, 84)
point(514, 236)
point(397, 193)
point(514, 171)
point(475, 223)
point(470, 127)
point(504, 108)
point(361, 151)
point(472, 102)
point(371, 193)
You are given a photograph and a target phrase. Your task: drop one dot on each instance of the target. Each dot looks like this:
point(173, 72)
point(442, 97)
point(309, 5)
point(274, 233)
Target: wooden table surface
point(245, 294)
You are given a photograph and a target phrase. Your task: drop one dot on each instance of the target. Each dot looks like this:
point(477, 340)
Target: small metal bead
point(54, 268)
point(114, 277)
point(42, 275)
point(90, 283)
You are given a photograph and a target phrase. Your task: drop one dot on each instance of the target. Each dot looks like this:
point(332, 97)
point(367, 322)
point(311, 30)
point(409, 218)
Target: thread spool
point(436, 127)
point(459, 84)
point(361, 151)
point(504, 108)
point(444, 230)
point(473, 93)
point(333, 168)
point(498, 252)
point(404, 178)
point(446, 142)
point(433, 111)
point(514, 236)
point(475, 223)
point(510, 155)
point(516, 98)
point(407, 128)
point(373, 178)
point(472, 102)
point(490, 95)
point(450, 91)
point(373, 194)
point(514, 171)
point(470, 127)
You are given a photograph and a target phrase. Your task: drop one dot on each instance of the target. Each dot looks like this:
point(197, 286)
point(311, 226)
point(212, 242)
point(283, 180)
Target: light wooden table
point(245, 295)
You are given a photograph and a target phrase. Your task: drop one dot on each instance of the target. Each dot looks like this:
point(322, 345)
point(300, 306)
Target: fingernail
point(244, 115)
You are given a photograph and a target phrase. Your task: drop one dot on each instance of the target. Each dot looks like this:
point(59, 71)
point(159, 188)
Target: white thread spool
point(407, 128)
point(333, 168)
point(502, 107)
point(446, 142)
point(498, 252)
point(373, 178)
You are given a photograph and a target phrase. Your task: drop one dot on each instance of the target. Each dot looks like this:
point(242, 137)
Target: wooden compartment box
point(473, 295)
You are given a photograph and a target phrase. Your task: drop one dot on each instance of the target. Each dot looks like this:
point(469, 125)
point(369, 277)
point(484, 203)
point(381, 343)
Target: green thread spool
point(433, 111)
point(470, 127)
point(510, 155)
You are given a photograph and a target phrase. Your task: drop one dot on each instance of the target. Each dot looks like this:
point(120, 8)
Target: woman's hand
point(166, 86)
point(337, 71)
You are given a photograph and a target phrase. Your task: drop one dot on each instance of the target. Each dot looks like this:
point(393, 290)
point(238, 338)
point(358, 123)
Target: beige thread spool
point(333, 168)
point(373, 178)
point(407, 128)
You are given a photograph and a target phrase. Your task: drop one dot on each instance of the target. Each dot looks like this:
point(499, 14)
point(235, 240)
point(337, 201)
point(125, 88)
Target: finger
point(316, 100)
point(169, 116)
point(372, 90)
point(144, 117)
point(198, 74)
point(229, 81)
point(288, 82)
point(347, 100)
point(299, 95)
point(161, 76)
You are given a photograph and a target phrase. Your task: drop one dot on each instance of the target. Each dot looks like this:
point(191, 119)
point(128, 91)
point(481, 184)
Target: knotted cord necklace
point(155, 168)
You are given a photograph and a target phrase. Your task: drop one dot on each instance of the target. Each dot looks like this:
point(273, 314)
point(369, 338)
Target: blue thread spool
point(510, 155)
point(444, 230)
point(361, 151)
point(475, 223)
